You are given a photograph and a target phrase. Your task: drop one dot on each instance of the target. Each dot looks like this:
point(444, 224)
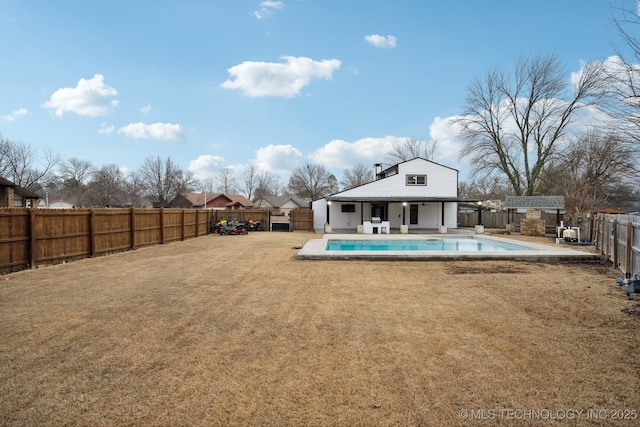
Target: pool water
point(456, 244)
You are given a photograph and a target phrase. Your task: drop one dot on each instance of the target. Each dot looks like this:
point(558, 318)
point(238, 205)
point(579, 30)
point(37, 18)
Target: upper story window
point(416, 179)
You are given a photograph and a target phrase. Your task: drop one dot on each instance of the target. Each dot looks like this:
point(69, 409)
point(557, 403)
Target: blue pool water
point(457, 244)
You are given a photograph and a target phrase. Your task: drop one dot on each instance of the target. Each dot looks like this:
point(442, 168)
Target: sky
point(228, 83)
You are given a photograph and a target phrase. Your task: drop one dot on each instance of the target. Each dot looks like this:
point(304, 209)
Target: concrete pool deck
point(314, 249)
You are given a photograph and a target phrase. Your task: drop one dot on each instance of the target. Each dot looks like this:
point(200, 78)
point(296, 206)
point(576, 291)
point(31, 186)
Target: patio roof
point(393, 199)
point(534, 202)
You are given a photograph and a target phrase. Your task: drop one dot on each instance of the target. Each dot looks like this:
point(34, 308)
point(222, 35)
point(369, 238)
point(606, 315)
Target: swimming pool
point(435, 247)
point(469, 243)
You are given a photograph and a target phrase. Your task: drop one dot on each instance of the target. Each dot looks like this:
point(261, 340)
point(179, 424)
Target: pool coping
point(314, 249)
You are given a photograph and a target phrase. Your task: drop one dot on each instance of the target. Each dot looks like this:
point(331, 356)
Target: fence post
point(184, 225)
point(32, 238)
point(614, 227)
point(197, 220)
point(133, 228)
point(162, 226)
point(629, 247)
point(92, 232)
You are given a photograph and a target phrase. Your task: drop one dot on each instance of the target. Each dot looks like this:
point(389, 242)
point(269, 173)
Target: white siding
point(441, 182)
point(319, 215)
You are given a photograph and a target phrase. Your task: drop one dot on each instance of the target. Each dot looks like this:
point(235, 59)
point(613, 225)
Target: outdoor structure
point(213, 201)
point(14, 196)
point(412, 195)
point(533, 224)
point(285, 204)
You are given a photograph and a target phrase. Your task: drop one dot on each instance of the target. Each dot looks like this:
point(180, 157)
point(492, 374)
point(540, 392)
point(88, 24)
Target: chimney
point(377, 168)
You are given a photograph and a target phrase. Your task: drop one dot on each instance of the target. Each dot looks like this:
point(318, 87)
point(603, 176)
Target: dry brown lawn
point(234, 331)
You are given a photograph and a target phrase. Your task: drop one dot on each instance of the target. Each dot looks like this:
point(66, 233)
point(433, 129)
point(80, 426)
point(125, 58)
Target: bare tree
point(623, 74)
point(310, 180)
point(207, 184)
point(334, 187)
point(163, 180)
point(409, 148)
point(107, 189)
point(594, 171)
point(21, 164)
point(134, 191)
point(226, 182)
point(357, 175)
point(250, 179)
point(513, 124)
point(486, 187)
point(75, 174)
point(267, 185)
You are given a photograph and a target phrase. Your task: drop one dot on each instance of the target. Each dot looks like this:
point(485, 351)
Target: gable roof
point(197, 199)
point(383, 173)
point(278, 201)
point(237, 199)
point(534, 202)
point(18, 190)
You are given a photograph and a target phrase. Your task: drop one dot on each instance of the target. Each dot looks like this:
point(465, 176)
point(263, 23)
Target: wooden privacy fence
point(32, 237)
point(617, 238)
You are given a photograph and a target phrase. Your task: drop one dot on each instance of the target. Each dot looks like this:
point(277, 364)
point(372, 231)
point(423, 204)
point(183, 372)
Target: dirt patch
point(233, 330)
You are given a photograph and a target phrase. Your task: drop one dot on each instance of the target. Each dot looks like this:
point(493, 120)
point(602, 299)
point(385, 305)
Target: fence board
point(301, 220)
point(617, 238)
point(32, 237)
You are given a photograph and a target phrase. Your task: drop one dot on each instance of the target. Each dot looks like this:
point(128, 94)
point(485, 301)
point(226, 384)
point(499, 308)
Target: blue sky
point(226, 83)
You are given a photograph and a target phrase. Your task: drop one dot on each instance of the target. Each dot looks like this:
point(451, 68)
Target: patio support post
point(328, 206)
point(404, 207)
point(479, 213)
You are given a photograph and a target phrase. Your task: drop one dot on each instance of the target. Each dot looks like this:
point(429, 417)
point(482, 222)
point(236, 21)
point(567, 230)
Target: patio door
point(379, 210)
point(413, 214)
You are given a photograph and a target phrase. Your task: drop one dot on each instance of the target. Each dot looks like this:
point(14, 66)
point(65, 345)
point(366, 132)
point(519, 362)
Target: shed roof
point(534, 202)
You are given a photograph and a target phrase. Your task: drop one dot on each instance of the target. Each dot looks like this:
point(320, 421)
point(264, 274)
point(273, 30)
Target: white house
point(416, 194)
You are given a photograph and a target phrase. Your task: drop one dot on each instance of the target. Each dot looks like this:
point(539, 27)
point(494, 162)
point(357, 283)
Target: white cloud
point(15, 114)
point(146, 109)
point(257, 79)
point(448, 141)
point(343, 154)
point(206, 166)
point(106, 129)
point(162, 131)
point(388, 42)
point(277, 159)
point(267, 8)
point(89, 98)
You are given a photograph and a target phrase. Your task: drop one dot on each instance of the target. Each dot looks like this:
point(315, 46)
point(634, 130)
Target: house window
point(416, 179)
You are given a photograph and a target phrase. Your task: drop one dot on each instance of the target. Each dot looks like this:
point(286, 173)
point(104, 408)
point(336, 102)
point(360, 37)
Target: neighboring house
point(284, 204)
point(213, 201)
point(418, 193)
point(14, 196)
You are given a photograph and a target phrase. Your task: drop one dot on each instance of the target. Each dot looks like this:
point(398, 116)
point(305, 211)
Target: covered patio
point(395, 215)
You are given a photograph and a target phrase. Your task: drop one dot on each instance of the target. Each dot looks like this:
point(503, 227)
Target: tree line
point(159, 180)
